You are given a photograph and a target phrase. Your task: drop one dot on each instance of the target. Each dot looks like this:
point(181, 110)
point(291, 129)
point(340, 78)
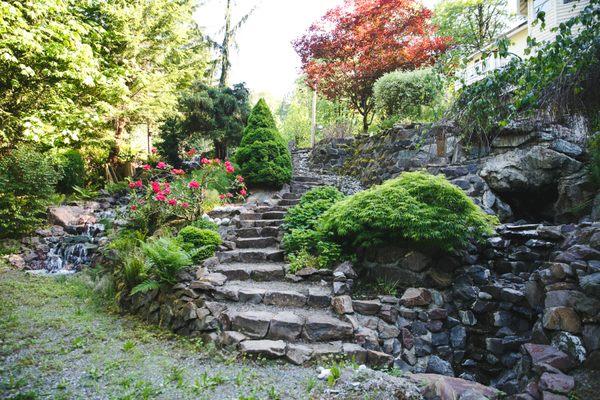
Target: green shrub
point(72, 167)
point(404, 93)
point(191, 237)
point(300, 239)
point(135, 269)
point(165, 259)
point(312, 204)
point(200, 254)
point(263, 156)
point(302, 260)
point(205, 224)
point(27, 182)
point(418, 208)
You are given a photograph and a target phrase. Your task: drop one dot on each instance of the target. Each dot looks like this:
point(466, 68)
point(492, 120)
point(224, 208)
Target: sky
point(265, 59)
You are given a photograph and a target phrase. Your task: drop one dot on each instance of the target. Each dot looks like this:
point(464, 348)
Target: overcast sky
point(265, 59)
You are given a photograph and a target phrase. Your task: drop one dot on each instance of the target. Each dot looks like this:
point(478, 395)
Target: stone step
point(267, 231)
point(290, 324)
point(259, 223)
point(256, 243)
point(300, 353)
point(250, 216)
point(277, 215)
point(251, 255)
point(274, 293)
point(262, 209)
point(306, 179)
point(290, 196)
point(289, 202)
point(255, 272)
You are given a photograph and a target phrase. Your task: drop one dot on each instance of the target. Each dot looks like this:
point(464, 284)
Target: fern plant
point(165, 258)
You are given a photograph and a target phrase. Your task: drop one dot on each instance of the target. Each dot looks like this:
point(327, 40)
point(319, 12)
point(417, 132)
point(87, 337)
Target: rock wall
point(530, 170)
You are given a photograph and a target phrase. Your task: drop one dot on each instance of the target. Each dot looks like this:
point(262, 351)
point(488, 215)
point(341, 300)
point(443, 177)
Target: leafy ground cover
point(60, 340)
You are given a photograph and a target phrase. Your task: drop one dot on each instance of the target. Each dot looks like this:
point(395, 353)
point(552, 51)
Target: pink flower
point(146, 167)
point(139, 183)
point(160, 197)
point(177, 171)
point(205, 161)
point(194, 185)
point(155, 187)
point(222, 196)
point(191, 152)
point(154, 150)
point(243, 192)
point(229, 195)
point(172, 202)
point(161, 165)
point(240, 178)
point(167, 190)
point(216, 161)
point(185, 204)
point(131, 185)
point(133, 208)
point(229, 169)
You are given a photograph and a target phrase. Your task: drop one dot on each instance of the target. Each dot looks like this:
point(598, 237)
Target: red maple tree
point(356, 43)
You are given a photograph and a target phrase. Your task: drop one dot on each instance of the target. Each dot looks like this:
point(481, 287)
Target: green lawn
point(59, 339)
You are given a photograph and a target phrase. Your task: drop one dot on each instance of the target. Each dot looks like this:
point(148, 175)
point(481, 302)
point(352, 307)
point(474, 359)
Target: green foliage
point(205, 224)
point(135, 268)
point(594, 162)
point(260, 117)
point(313, 203)
point(303, 243)
point(214, 113)
point(27, 182)
point(334, 118)
point(165, 258)
point(192, 237)
point(418, 208)
point(200, 254)
point(263, 157)
point(558, 78)
point(302, 259)
point(72, 167)
point(405, 93)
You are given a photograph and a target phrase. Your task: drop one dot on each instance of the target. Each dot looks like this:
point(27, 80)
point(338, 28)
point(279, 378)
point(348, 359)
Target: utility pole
point(313, 125)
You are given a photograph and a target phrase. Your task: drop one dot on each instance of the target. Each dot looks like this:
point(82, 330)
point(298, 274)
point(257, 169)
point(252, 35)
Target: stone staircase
point(264, 310)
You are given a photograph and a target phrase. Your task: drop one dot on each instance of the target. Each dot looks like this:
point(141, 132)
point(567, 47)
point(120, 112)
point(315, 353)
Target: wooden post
point(313, 125)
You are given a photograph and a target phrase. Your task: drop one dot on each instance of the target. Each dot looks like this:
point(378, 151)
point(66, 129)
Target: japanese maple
point(356, 43)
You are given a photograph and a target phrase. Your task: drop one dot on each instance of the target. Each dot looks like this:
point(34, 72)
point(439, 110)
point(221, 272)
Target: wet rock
point(367, 307)
point(591, 336)
point(591, 284)
point(438, 366)
point(347, 269)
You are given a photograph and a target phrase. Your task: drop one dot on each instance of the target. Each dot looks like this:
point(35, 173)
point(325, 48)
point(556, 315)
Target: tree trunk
point(365, 121)
point(225, 47)
point(220, 150)
point(116, 150)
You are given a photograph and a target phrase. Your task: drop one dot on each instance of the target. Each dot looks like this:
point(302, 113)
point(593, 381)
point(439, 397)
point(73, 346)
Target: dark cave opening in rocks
point(532, 206)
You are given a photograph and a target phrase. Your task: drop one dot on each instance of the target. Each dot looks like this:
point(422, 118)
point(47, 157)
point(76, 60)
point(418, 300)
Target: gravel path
point(59, 340)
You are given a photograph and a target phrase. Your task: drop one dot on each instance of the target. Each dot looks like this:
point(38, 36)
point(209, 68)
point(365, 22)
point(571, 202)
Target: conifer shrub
point(263, 156)
point(192, 237)
point(416, 208)
point(205, 224)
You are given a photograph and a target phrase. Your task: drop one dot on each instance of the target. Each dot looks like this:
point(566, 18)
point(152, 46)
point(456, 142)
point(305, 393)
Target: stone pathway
point(266, 310)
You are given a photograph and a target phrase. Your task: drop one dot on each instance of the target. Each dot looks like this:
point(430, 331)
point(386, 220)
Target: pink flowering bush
point(163, 194)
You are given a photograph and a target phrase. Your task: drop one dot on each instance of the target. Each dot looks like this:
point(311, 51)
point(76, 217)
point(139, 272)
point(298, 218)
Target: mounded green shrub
point(27, 181)
point(417, 208)
point(205, 224)
point(192, 237)
point(72, 168)
point(202, 253)
point(263, 156)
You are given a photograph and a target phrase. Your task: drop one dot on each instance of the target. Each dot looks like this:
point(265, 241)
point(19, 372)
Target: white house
point(556, 12)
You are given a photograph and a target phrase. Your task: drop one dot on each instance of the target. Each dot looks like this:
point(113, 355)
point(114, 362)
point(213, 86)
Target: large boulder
point(529, 180)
